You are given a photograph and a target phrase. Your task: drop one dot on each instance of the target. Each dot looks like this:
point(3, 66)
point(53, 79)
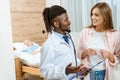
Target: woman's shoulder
point(84, 28)
point(113, 33)
point(87, 29)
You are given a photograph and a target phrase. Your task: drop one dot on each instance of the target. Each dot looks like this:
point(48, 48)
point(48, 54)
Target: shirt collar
point(61, 35)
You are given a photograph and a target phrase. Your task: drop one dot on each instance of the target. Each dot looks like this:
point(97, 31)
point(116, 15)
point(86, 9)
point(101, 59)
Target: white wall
point(7, 71)
point(52, 2)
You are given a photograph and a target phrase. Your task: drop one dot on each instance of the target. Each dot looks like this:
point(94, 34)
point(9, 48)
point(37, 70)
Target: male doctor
point(58, 58)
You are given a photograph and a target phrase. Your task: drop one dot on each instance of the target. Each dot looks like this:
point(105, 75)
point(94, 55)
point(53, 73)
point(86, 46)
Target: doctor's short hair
point(49, 13)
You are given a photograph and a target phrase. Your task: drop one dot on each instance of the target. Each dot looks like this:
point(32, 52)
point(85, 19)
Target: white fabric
point(19, 46)
point(27, 58)
point(97, 43)
point(56, 54)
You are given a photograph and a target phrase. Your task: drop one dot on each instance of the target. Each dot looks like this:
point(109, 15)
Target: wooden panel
point(18, 69)
point(28, 26)
point(27, 5)
point(31, 70)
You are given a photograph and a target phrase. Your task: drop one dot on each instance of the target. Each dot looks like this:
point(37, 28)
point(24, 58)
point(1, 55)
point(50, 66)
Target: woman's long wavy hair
point(107, 16)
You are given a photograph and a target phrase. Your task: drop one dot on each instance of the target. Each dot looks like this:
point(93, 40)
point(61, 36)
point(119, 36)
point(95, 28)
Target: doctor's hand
point(73, 69)
point(84, 71)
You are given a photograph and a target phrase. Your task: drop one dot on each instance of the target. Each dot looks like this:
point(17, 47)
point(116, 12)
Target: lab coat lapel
point(58, 40)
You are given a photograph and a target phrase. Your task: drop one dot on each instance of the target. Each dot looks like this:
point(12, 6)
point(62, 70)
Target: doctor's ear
point(56, 23)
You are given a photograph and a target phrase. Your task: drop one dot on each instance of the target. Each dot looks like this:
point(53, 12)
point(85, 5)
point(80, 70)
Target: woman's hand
point(107, 55)
point(88, 52)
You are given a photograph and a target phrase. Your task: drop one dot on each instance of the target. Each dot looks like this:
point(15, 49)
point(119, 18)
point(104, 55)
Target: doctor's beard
point(68, 31)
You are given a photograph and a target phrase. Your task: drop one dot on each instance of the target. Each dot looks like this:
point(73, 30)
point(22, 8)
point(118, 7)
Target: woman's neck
point(99, 29)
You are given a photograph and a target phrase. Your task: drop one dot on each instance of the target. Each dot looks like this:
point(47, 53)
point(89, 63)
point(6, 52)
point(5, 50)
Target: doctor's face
point(63, 23)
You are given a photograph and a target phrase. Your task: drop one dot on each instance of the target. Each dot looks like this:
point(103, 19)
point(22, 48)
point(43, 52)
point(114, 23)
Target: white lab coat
point(56, 54)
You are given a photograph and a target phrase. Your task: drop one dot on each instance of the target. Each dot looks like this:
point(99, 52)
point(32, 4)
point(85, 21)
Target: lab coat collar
point(57, 40)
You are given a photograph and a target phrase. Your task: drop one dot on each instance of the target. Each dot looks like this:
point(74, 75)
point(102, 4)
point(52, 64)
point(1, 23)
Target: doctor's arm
point(47, 65)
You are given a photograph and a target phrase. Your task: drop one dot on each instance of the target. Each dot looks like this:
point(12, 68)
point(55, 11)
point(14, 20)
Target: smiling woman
point(96, 44)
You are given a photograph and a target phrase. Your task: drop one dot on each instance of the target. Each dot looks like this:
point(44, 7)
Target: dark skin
point(74, 69)
point(62, 25)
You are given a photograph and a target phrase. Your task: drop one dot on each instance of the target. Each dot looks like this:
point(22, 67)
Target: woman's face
point(97, 18)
